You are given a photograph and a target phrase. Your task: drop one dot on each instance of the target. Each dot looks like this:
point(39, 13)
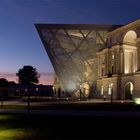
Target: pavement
point(65, 112)
point(75, 113)
point(65, 101)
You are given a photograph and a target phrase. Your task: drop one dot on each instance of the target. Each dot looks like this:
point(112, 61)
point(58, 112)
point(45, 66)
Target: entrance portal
point(128, 91)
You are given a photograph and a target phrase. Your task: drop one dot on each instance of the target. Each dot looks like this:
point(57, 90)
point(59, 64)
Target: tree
point(28, 75)
point(3, 89)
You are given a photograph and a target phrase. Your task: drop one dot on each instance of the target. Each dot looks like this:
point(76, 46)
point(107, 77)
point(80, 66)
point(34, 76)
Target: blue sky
point(19, 41)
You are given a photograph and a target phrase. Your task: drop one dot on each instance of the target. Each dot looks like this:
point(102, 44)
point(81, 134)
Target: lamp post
point(17, 92)
point(27, 92)
point(36, 89)
point(1, 98)
point(80, 91)
point(37, 93)
point(53, 91)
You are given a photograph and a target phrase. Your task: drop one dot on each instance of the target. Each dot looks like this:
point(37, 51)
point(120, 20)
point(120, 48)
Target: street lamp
point(17, 93)
point(36, 89)
point(53, 91)
point(1, 98)
point(26, 91)
point(37, 95)
point(80, 91)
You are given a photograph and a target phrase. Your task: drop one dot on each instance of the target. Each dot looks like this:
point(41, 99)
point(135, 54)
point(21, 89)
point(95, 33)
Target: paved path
point(74, 112)
point(20, 102)
point(69, 112)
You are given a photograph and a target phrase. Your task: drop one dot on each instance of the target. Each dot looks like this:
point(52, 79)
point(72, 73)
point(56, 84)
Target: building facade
point(119, 63)
point(95, 60)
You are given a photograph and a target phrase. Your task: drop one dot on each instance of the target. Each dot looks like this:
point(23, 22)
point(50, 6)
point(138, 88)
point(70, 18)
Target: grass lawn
point(17, 127)
point(42, 127)
point(78, 106)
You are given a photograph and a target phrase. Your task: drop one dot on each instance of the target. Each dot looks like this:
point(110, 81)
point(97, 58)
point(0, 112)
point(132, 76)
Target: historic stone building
point(94, 60)
point(119, 63)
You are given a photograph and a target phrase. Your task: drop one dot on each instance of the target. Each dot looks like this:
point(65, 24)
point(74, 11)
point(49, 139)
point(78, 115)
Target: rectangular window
point(103, 71)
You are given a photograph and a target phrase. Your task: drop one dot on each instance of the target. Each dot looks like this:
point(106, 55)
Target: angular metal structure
point(72, 49)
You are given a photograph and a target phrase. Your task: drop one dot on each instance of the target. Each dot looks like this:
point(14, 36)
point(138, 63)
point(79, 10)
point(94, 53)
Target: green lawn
point(79, 106)
point(21, 127)
point(43, 127)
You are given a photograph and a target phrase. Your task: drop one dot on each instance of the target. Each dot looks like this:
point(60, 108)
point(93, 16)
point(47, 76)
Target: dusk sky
point(20, 43)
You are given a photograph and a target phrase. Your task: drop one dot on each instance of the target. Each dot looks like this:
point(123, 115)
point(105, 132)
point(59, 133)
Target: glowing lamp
point(137, 100)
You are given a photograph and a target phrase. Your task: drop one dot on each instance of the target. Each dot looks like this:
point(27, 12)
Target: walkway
point(73, 113)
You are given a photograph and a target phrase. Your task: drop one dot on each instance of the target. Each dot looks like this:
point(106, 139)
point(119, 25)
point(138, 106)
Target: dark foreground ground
point(63, 126)
point(38, 127)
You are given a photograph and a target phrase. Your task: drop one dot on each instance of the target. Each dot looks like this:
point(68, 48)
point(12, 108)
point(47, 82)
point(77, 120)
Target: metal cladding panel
point(72, 50)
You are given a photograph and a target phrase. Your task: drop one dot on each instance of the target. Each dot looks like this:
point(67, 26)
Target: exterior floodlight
point(137, 100)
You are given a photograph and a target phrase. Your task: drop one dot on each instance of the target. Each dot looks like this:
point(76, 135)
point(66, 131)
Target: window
point(103, 61)
point(112, 62)
point(112, 69)
point(102, 90)
point(110, 89)
point(103, 71)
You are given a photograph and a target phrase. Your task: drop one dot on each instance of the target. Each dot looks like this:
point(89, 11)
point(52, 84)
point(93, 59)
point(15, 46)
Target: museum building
point(94, 60)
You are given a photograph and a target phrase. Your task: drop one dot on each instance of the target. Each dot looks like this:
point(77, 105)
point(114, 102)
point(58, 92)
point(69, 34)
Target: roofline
point(124, 27)
point(77, 26)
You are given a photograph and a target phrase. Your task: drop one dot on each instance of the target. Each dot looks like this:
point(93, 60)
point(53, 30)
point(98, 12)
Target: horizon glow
point(20, 43)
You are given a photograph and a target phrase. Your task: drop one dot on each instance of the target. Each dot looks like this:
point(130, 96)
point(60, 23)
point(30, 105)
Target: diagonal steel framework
point(72, 50)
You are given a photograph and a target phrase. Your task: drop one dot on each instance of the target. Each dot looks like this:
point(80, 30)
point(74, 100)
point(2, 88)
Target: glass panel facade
point(70, 48)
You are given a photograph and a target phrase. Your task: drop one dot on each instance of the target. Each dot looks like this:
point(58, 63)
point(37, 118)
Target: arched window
point(129, 90)
point(129, 42)
point(130, 37)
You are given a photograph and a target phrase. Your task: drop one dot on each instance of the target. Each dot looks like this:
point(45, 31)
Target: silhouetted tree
point(3, 89)
point(28, 75)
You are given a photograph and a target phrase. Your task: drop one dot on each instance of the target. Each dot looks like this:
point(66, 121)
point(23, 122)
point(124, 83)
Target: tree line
point(27, 75)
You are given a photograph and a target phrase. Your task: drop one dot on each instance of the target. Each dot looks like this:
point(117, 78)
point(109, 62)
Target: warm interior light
point(102, 90)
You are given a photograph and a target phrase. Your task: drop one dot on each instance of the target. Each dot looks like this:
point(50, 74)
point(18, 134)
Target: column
point(122, 60)
point(99, 67)
point(138, 54)
point(118, 62)
point(115, 62)
point(138, 58)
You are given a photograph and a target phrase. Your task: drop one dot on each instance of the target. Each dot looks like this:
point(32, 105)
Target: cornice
point(124, 28)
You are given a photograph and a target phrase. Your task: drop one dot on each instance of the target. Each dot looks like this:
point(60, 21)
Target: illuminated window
point(102, 90)
point(110, 89)
point(112, 56)
point(112, 62)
